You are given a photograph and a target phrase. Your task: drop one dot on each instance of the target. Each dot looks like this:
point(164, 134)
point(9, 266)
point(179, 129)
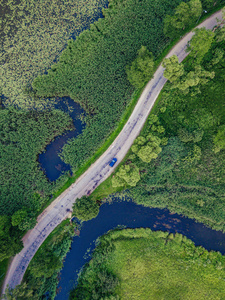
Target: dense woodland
point(141, 264)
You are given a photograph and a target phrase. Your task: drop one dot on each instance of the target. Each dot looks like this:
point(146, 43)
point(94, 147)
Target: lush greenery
point(24, 187)
point(141, 264)
point(41, 277)
point(187, 176)
point(93, 68)
point(85, 208)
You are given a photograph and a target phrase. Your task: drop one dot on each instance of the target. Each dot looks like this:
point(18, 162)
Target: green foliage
point(200, 43)
point(85, 209)
point(10, 246)
point(183, 80)
point(5, 226)
point(126, 175)
point(219, 139)
point(92, 69)
point(23, 136)
point(173, 69)
point(185, 136)
point(141, 69)
point(185, 15)
point(45, 265)
point(21, 292)
point(188, 176)
point(147, 148)
point(18, 217)
point(152, 265)
point(194, 78)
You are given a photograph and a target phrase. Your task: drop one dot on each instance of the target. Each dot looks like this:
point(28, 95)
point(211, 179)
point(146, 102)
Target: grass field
point(152, 265)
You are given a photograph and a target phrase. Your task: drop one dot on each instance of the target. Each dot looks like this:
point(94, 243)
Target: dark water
point(50, 162)
point(132, 216)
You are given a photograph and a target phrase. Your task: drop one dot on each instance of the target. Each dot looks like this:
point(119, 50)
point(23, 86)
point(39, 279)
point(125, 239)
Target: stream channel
point(51, 163)
point(131, 215)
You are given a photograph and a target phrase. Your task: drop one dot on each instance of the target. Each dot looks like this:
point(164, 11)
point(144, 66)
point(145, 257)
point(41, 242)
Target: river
point(131, 215)
point(50, 161)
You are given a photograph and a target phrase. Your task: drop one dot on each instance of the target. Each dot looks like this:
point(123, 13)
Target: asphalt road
point(99, 171)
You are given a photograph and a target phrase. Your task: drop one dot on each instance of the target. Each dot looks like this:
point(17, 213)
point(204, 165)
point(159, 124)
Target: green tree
point(221, 32)
point(200, 43)
point(45, 264)
point(5, 226)
point(128, 174)
point(141, 69)
point(185, 15)
point(173, 69)
point(219, 140)
point(9, 247)
point(18, 217)
point(194, 78)
point(147, 148)
point(85, 209)
point(28, 223)
point(21, 292)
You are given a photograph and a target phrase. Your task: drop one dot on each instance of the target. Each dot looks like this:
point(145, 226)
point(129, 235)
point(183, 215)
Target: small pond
point(131, 215)
point(50, 162)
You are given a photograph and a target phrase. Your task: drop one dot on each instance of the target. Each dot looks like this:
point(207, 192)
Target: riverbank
point(141, 264)
point(117, 213)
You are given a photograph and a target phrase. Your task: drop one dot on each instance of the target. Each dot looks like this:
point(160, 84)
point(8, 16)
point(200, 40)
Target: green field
point(141, 264)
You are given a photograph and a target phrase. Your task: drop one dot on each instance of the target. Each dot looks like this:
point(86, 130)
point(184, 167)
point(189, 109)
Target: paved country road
point(59, 209)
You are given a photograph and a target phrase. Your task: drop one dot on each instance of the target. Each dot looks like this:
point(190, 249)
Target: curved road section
point(99, 171)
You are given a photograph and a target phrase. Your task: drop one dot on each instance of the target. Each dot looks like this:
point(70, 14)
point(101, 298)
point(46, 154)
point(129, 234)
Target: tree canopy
point(185, 15)
point(85, 209)
point(173, 69)
point(141, 69)
point(200, 43)
point(126, 175)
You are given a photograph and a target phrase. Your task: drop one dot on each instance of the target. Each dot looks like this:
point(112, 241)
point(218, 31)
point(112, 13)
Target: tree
point(200, 43)
point(5, 226)
point(186, 136)
point(194, 78)
point(173, 69)
point(21, 292)
point(147, 148)
point(128, 174)
point(85, 209)
point(45, 264)
point(185, 15)
point(18, 217)
point(141, 69)
point(219, 140)
point(9, 247)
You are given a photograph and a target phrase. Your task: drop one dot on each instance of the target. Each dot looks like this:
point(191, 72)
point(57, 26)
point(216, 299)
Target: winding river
point(50, 161)
point(131, 215)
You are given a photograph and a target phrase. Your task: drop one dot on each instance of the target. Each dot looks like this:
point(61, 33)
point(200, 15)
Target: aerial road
point(60, 208)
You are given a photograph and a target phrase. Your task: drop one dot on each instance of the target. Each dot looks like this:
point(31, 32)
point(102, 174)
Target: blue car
point(112, 163)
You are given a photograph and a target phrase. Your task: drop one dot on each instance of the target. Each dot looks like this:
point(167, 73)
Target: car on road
point(113, 161)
